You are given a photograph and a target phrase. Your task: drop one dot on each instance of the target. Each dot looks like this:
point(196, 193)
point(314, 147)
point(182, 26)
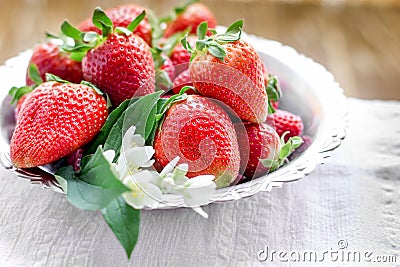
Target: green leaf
point(34, 74)
point(171, 42)
point(17, 92)
point(95, 186)
point(138, 113)
point(77, 56)
point(68, 30)
point(186, 44)
point(133, 25)
point(53, 78)
point(227, 38)
point(163, 80)
point(217, 51)
point(89, 37)
point(235, 28)
point(202, 30)
point(200, 45)
point(163, 108)
point(124, 221)
point(296, 141)
point(105, 130)
point(285, 151)
point(156, 31)
point(273, 89)
point(102, 21)
point(122, 30)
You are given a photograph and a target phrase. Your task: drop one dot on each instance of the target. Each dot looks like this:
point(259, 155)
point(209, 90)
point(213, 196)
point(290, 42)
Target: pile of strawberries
point(228, 124)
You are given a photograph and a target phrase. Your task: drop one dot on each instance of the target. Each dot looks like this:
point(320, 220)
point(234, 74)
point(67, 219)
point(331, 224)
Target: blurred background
point(357, 40)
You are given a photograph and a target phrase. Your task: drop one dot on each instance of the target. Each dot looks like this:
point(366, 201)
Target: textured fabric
point(354, 197)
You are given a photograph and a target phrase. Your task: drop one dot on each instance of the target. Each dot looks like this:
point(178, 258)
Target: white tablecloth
point(354, 197)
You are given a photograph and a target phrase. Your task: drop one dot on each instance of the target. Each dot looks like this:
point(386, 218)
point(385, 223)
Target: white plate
point(309, 91)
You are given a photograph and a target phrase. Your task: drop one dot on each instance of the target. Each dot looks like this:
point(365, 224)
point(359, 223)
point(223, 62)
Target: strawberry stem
point(287, 148)
point(213, 44)
point(274, 92)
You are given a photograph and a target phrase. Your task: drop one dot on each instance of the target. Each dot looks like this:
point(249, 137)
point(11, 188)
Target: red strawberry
point(121, 16)
point(182, 80)
point(200, 132)
point(284, 121)
point(230, 70)
point(55, 120)
point(168, 66)
point(256, 141)
point(190, 17)
point(50, 59)
point(119, 62)
point(180, 57)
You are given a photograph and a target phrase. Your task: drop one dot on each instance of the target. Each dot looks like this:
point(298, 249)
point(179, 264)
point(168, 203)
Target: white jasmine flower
point(198, 190)
point(143, 192)
point(134, 155)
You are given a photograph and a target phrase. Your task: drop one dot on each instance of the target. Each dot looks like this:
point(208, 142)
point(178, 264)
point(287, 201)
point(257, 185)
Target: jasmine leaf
point(105, 130)
point(124, 221)
point(95, 186)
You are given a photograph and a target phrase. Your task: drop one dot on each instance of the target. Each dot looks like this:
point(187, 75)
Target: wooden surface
point(359, 42)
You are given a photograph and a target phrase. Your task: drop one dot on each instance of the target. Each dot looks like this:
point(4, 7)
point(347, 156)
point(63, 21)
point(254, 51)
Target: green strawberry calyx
point(214, 43)
point(274, 92)
point(17, 92)
point(81, 42)
point(286, 149)
point(178, 10)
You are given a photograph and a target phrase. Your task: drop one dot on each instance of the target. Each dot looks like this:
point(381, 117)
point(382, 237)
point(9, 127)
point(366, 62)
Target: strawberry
point(119, 62)
point(229, 70)
point(200, 132)
point(182, 80)
point(284, 121)
point(49, 58)
point(189, 17)
point(168, 66)
point(122, 16)
point(54, 121)
point(180, 57)
point(256, 141)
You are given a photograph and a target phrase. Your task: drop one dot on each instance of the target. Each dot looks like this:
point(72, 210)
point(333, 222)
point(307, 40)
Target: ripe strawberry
point(284, 121)
point(121, 16)
point(49, 58)
point(182, 80)
point(180, 57)
point(168, 66)
point(230, 70)
point(54, 121)
point(200, 132)
point(190, 16)
point(119, 62)
point(256, 141)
